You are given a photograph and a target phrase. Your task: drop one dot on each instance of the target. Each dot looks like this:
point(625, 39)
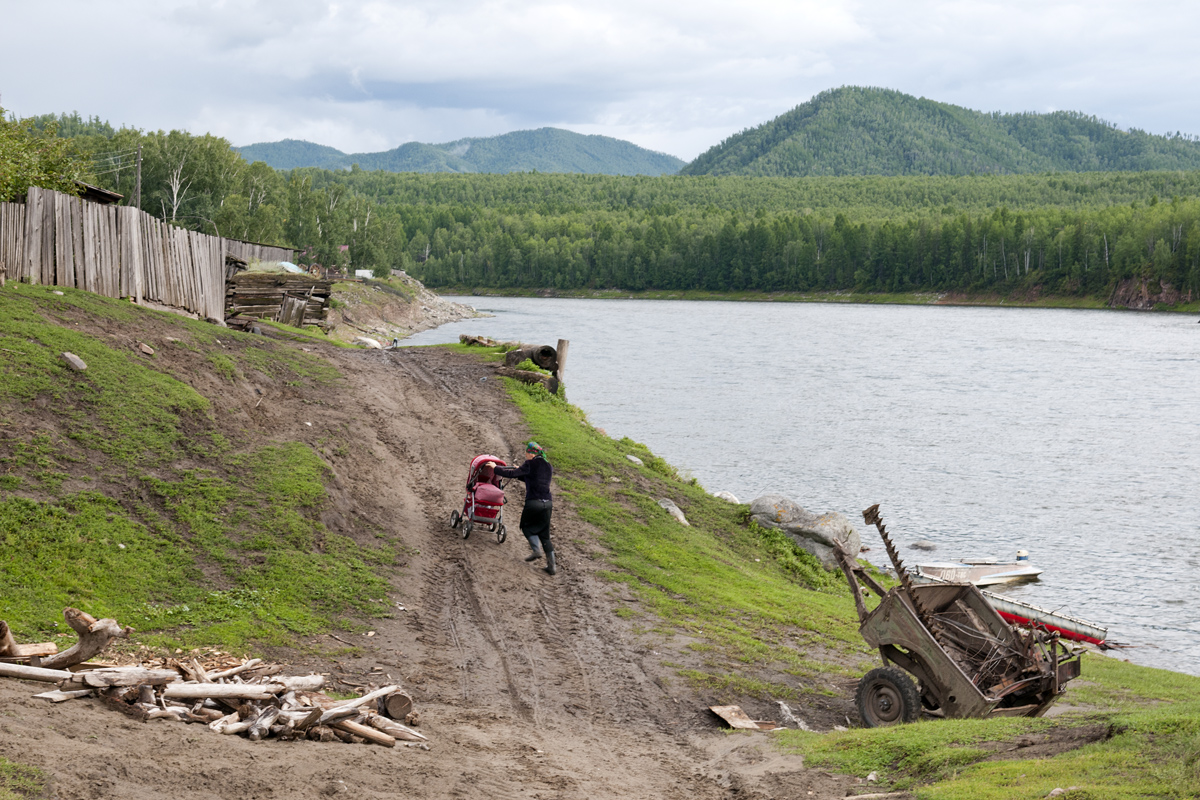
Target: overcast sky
point(669, 75)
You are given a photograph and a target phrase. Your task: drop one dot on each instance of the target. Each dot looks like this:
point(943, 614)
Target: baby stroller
point(484, 503)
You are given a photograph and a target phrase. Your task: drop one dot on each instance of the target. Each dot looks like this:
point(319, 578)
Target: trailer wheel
point(887, 696)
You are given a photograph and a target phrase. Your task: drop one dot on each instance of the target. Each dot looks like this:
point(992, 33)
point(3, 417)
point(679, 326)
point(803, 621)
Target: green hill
point(869, 131)
point(293, 153)
point(541, 150)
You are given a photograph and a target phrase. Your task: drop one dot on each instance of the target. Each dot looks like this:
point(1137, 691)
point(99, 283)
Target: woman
point(535, 517)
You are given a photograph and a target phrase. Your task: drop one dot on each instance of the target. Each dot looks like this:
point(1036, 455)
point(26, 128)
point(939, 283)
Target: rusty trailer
point(965, 659)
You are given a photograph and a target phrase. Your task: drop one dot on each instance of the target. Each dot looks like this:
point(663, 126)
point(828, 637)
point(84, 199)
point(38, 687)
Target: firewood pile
point(230, 696)
point(295, 300)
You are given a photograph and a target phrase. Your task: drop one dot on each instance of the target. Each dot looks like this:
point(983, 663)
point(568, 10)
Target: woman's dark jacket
point(536, 473)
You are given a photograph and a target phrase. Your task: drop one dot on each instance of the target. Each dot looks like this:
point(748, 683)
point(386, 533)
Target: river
point(1072, 434)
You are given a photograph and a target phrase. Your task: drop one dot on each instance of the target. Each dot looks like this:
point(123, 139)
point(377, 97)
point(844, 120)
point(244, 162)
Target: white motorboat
point(981, 572)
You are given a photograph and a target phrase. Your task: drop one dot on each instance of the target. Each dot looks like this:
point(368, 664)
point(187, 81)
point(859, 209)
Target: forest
point(1074, 234)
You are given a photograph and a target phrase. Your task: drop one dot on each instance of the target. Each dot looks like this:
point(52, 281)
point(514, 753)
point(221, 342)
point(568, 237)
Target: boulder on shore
point(819, 534)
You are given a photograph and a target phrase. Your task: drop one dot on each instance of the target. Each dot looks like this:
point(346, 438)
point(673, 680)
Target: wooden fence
point(119, 251)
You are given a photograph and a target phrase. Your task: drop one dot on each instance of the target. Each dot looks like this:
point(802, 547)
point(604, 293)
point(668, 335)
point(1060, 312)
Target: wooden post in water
point(563, 344)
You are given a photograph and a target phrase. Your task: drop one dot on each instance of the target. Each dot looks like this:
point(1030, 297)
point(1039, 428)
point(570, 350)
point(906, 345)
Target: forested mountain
point(867, 131)
point(541, 150)
point(1063, 234)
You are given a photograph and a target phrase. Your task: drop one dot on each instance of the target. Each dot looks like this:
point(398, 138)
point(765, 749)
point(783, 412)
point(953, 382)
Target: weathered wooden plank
point(77, 211)
point(47, 245)
point(89, 247)
point(137, 260)
point(31, 268)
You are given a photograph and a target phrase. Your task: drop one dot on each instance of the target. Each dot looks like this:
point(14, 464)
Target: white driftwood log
point(393, 728)
point(337, 715)
point(229, 724)
point(94, 636)
point(119, 676)
point(367, 698)
point(303, 683)
point(34, 673)
point(229, 673)
point(236, 691)
point(262, 723)
point(58, 696)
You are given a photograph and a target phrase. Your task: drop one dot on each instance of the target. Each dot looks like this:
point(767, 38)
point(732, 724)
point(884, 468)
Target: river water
point(1072, 434)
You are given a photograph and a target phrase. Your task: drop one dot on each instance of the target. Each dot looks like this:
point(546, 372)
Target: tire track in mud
point(528, 702)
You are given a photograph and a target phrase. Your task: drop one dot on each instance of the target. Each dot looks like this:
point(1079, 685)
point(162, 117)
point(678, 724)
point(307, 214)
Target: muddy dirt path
point(529, 686)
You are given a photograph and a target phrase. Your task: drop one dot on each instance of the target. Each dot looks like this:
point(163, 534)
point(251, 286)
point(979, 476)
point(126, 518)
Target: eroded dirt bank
point(528, 686)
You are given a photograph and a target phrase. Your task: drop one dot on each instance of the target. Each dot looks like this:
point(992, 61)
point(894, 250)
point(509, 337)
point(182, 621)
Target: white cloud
point(371, 74)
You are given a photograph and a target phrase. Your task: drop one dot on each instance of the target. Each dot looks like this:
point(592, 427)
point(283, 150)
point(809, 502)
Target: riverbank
point(277, 495)
point(1136, 300)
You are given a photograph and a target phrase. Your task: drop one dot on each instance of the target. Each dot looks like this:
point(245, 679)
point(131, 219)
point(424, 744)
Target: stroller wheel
point(501, 534)
point(467, 527)
point(455, 518)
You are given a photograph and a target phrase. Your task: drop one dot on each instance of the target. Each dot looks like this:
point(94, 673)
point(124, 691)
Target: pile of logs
point(250, 699)
point(292, 299)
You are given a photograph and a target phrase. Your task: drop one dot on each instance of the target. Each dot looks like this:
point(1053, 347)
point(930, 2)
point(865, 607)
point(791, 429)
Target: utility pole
point(137, 187)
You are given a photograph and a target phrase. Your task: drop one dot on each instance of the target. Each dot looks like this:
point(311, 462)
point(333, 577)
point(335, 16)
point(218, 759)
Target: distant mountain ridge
point(541, 150)
point(869, 131)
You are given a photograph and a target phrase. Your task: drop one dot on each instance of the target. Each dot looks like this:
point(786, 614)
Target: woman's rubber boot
point(550, 565)
point(535, 544)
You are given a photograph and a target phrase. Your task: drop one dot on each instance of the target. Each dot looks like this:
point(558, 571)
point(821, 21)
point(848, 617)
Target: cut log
point(394, 729)
point(94, 636)
point(10, 649)
point(543, 356)
point(238, 691)
point(370, 734)
point(320, 733)
point(261, 725)
point(34, 673)
point(120, 676)
point(397, 705)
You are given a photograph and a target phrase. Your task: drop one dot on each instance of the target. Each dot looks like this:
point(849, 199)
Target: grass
point(19, 782)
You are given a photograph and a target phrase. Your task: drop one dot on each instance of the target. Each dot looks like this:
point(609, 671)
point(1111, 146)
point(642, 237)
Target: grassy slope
point(709, 579)
point(126, 498)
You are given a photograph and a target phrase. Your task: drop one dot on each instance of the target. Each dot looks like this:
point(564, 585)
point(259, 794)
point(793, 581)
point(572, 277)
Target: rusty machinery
point(967, 661)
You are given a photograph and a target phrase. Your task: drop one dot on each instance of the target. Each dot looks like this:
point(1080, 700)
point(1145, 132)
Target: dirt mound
point(385, 309)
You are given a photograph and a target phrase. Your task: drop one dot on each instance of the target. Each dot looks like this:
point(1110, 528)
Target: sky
point(676, 77)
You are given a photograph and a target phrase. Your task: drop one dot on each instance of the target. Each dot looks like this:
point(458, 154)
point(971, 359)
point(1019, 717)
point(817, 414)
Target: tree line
point(1068, 233)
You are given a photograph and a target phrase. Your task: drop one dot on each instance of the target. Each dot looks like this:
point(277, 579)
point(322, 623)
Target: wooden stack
point(292, 299)
point(249, 698)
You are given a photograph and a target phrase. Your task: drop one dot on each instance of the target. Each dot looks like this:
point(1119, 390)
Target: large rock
point(819, 534)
